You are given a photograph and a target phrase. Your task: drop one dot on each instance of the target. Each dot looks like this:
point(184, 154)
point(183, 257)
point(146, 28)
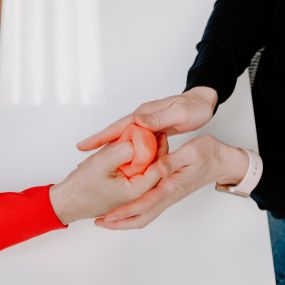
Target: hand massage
point(131, 177)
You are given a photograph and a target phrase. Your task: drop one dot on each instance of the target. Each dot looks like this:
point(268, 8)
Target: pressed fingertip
point(109, 219)
point(129, 148)
point(98, 222)
point(85, 145)
point(98, 225)
point(81, 145)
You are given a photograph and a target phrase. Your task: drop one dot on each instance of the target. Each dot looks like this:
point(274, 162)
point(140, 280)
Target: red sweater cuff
point(26, 214)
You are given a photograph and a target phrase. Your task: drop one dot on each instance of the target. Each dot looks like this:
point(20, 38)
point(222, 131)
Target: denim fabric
point(277, 233)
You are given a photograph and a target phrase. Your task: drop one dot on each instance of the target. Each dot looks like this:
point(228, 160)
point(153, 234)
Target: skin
point(145, 148)
point(97, 186)
point(197, 163)
point(78, 198)
point(194, 165)
point(172, 115)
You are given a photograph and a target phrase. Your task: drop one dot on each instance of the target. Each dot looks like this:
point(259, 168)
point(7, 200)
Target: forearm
point(25, 215)
point(63, 202)
point(234, 32)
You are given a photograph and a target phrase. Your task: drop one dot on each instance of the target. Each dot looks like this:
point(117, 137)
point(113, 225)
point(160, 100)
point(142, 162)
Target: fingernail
point(97, 222)
point(78, 145)
point(110, 219)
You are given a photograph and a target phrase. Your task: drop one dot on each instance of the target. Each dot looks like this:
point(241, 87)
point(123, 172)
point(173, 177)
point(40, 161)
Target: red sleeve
point(25, 215)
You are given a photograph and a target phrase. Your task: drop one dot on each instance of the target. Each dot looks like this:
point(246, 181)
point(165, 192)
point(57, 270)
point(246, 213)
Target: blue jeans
point(277, 233)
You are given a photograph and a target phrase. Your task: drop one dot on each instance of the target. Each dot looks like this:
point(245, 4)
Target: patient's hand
point(96, 185)
point(145, 148)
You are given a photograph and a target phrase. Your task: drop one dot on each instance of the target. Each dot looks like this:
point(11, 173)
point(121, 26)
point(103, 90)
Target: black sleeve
point(234, 32)
point(269, 193)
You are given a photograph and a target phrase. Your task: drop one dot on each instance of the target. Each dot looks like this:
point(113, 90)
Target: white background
point(62, 80)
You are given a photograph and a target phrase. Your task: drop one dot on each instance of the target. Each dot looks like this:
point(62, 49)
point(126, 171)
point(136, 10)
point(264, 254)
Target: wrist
point(232, 165)
point(62, 202)
point(206, 94)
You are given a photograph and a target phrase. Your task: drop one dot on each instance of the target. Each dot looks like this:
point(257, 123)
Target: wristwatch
point(250, 180)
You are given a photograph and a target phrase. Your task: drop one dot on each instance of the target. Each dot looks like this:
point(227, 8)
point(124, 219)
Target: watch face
point(230, 190)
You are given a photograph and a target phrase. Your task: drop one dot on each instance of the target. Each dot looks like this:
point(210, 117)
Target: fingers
point(140, 212)
point(136, 222)
point(156, 115)
point(112, 157)
point(162, 115)
point(158, 121)
point(171, 162)
point(113, 131)
point(162, 145)
point(142, 205)
point(107, 135)
point(152, 175)
point(127, 224)
point(140, 217)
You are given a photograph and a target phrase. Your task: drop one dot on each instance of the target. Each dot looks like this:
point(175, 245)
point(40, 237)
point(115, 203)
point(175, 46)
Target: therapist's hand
point(199, 162)
point(96, 185)
point(172, 115)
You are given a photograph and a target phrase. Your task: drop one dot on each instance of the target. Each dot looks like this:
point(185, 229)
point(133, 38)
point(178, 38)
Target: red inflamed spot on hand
point(145, 149)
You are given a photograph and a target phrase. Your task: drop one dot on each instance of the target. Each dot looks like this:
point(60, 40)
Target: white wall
point(50, 52)
point(138, 51)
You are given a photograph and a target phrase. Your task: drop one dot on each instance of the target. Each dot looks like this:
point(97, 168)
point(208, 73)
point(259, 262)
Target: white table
point(209, 238)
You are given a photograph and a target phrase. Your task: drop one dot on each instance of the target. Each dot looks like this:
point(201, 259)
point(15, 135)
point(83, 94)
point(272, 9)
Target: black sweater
point(236, 30)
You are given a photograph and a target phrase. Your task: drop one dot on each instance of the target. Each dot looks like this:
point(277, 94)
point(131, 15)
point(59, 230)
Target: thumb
point(115, 156)
point(158, 121)
point(171, 162)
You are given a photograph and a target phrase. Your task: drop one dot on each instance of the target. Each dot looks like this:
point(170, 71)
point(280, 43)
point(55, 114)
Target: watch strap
point(251, 178)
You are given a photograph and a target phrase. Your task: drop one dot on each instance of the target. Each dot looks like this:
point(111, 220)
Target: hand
point(172, 115)
point(145, 149)
point(96, 185)
point(201, 161)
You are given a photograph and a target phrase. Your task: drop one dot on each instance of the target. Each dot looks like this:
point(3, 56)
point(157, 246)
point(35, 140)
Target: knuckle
point(164, 165)
point(193, 149)
point(155, 119)
point(201, 146)
point(141, 108)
